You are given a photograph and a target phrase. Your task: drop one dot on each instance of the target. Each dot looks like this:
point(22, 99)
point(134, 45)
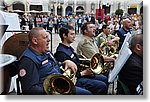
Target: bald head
point(34, 33)
point(126, 20)
point(127, 25)
point(39, 40)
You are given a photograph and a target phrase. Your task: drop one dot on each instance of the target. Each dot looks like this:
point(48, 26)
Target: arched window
point(59, 10)
point(18, 6)
point(36, 7)
point(69, 10)
point(79, 10)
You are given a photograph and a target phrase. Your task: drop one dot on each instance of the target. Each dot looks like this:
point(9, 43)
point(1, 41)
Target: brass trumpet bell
point(97, 63)
point(58, 84)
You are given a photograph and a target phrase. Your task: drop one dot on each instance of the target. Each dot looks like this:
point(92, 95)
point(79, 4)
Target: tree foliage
point(119, 12)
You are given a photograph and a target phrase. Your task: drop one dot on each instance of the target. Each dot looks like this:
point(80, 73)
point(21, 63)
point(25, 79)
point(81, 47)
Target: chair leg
point(18, 87)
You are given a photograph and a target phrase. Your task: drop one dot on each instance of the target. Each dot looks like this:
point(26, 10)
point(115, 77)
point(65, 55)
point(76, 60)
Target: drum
point(13, 46)
point(16, 44)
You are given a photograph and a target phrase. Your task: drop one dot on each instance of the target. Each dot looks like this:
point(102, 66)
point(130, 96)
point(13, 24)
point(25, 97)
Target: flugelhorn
point(63, 84)
point(96, 63)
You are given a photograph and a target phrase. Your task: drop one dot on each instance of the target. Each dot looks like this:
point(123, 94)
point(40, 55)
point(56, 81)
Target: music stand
point(3, 29)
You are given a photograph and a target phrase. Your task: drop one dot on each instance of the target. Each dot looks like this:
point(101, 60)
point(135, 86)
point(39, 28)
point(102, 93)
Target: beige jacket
point(87, 47)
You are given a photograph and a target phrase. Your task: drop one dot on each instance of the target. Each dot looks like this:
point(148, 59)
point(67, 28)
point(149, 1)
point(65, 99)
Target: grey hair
point(136, 39)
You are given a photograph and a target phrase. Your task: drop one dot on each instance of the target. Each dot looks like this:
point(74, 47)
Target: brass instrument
point(63, 84)
point(109, 51)
point(95, 64)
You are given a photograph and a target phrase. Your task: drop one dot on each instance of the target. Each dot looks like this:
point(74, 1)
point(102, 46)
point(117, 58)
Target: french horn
point(109, 51)
point(60, 84)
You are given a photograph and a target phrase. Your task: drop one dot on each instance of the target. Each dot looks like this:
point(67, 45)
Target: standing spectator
point(50, 25)
point(45, 21)
point(30, 22)
point(38, 21)
point(22, 22)
point(115, 27)
point(107, 18)
point(92, 19)
point(59, 20)
point(55, 24)
point(64, 21)
point(79, 23)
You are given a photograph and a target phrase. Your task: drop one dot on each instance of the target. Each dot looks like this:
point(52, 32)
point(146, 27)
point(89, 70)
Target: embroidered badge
point(44, 62)
point(22, 72)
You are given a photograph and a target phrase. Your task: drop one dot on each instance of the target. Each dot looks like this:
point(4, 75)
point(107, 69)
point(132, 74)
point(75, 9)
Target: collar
point(61, 44)
point(38, 54)
point(33, 50)
point(88, 38)
point(104, 35)
point(126, 30)
point(137, 55)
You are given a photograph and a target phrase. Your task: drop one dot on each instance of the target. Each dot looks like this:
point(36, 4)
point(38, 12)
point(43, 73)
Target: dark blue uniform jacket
point(33, 68)
point(67, 53)
point(121, 34)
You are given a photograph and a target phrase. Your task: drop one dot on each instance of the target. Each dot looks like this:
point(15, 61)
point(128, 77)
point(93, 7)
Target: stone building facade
point(65, 7)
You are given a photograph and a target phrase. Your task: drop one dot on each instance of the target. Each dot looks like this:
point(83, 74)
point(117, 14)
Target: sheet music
point(12, 20)
point(128, 35)
point(119, 63)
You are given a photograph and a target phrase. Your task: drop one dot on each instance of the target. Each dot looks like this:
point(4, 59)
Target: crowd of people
point(54, 22)
point(37, 62)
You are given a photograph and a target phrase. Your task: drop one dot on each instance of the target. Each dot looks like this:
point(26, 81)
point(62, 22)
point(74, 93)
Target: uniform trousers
point(97, 84)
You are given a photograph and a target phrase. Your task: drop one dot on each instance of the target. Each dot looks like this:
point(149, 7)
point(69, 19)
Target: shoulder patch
point(22, 72)
point(45, 61)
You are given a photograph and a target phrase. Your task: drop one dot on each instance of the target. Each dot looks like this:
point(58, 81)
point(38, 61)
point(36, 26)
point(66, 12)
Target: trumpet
point(63, 84)
point(95, 64)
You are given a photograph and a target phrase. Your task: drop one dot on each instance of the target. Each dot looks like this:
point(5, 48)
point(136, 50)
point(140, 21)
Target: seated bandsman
point(95, 83)
point(37, 62)
point(131, 75)
point(106, 39)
